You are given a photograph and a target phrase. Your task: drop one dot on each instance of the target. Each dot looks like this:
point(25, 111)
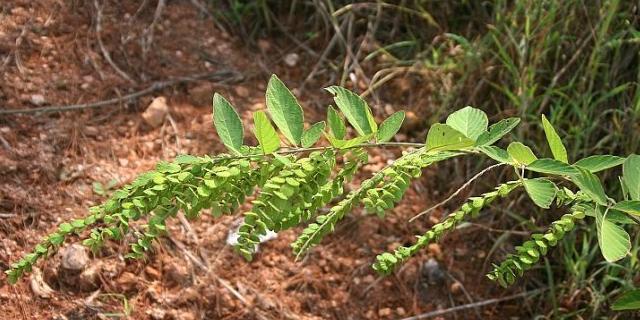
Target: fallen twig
point(223, 76)
point(147, 34)
point(105, 53)
point(5, 144)
point(475, 305)
point(204, 266)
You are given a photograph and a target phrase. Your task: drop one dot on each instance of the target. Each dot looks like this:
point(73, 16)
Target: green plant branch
point(387, 262)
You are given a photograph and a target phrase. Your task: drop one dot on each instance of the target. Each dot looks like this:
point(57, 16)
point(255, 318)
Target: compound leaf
point(227, 123)
point(285, 110)
point(390, 127)
point(471, 122)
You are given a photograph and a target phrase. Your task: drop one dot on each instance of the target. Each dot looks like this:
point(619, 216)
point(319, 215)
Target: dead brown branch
point(225, 76)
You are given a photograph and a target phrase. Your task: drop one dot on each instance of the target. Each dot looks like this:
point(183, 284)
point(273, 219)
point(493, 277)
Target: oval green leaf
point(631, 176)
point(630, 207)
point(497, 131)
point(599, 162)
point(227, 123)
point(614, 241)
point(555, 143)
point(355, 109)
point(336, 124)
point(520, 153)
point(390, 127)
point(311, 135)
point(496, 153)
point(541, 191)
point(471, 122)
point(442, 137)
point(266, 134)
point(552, 166)
point(590, 185)
point(285, 110)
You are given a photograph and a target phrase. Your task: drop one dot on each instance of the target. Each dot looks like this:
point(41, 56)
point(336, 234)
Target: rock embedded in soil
point(177, 273)
point(127, 282)
point(291, 59)
point(38, 99)
point(39, 287)
point(183, 315)
point(157, 313)
point(89, 279)
point(201, 94)
point(432, 272)
point(152, 273)
point(156, 112)
point(384, 312)
point(435, 250)
point(455, 288)
point(74, 258)
point(242, 91)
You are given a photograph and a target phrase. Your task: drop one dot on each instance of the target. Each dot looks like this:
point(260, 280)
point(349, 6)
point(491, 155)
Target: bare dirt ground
point(57, 53)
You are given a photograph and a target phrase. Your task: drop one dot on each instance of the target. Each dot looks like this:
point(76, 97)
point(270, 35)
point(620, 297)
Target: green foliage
point(311, 135)
point(530, 252)
point(599, 162)
point(629, 206)
point(552, 167)
point(631, 176)
point(541, 191)
point(497, 131)
point(471, 122)
point(285, 110)
point(613, 239)
point(555, 144)
point(387, 262)
point(377, 193)
point(336, 124)
point(284, 198)
point(521, 154)
point(227, 123)
point(291, 185)
point(442, 137)
point(629, 300)
point(265, 133)
point(590, 185)
point(355, 109)
point(390, 127)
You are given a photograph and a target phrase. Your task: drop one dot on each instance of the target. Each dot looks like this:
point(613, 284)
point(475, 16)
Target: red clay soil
point(50, 54)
